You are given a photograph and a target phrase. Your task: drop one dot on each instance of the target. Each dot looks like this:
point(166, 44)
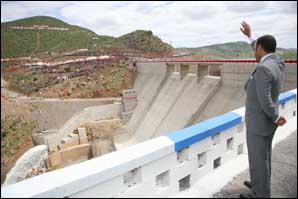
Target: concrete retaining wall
point(53, 113)
point(93, 113)
point(90, 114)
point(166, 166)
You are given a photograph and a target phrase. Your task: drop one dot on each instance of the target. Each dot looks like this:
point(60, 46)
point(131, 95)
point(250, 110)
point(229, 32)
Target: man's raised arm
point(245, 29)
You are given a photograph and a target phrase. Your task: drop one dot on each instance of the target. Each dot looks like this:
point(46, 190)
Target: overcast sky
point(182, 24)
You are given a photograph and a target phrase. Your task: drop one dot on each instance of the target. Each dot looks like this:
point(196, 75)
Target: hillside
point(144, 40)
point(19, 43)
point(231, 50)
point(30, 42)
point(17, 125)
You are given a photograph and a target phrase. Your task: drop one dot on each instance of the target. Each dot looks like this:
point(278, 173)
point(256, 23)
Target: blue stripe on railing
point(286, 96)
point(187, 136)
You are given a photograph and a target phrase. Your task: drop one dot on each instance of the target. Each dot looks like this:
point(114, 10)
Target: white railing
point(162, 167)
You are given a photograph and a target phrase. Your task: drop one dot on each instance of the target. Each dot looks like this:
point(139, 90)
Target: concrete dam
point(176, 94)
point(184, 129)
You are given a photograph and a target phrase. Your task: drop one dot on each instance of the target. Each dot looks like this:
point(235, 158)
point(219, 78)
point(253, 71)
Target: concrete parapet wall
point(234, 74)
point(162, 167)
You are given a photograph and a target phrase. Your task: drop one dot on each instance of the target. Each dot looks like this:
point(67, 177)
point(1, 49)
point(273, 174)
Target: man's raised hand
point(245, 29)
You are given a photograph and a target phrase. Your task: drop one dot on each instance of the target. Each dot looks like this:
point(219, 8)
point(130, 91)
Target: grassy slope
point(19, 43)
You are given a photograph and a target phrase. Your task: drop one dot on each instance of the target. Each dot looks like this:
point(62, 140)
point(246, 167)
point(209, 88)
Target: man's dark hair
point(253, 44)
point(268, 43)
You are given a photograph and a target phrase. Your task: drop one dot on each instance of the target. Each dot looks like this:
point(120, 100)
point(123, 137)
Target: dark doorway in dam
point(214, 70)
point(170, 68)
point(202, 71)
point(184, 70)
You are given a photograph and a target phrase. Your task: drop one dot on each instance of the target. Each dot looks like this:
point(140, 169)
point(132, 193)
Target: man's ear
point(259, 48)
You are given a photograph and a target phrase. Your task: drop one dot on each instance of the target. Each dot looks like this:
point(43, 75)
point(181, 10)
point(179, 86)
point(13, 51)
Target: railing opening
point(202, 159)
point(184, 183)
point(240, 149)
point(183, 155)
point(132, 177)
point(230, 144)
point(215, 139)
point(217, 163)
point(163, 180)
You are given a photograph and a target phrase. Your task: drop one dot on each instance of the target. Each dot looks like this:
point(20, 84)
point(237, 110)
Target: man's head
point(264, 45)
